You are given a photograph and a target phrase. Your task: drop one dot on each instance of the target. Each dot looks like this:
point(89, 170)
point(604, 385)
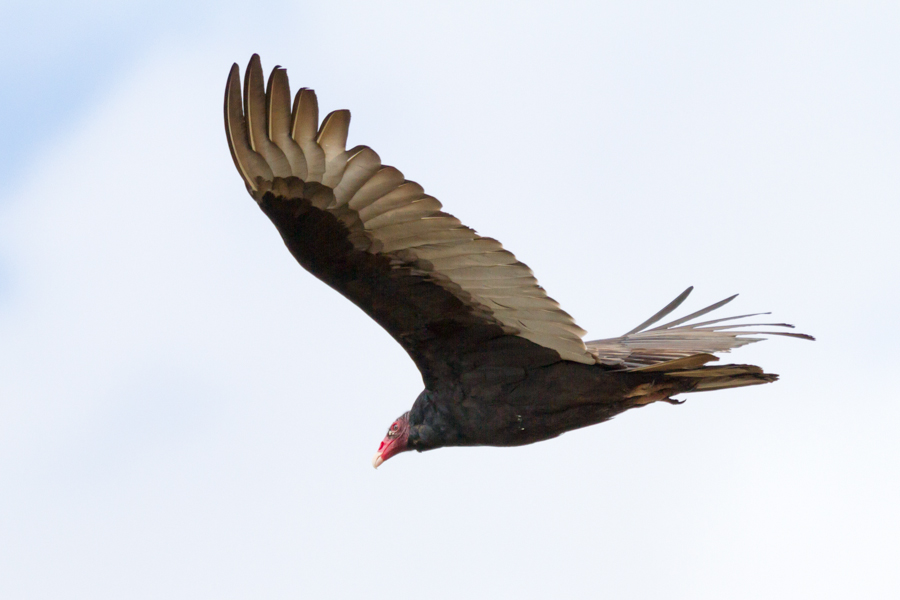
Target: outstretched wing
point(451, 298)
point(692, 344)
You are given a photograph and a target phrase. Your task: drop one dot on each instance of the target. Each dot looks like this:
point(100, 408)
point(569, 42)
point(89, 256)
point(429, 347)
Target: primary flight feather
point(502, 363)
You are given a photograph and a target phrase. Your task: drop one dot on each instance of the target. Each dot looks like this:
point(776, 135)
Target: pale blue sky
point(186, 413)
point(61, 56)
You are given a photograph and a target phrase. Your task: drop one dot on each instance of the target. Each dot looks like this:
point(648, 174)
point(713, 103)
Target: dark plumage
point(502, 364)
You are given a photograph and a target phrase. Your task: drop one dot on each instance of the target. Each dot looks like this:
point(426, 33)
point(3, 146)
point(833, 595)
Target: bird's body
point(502, 364)
point(521, 405)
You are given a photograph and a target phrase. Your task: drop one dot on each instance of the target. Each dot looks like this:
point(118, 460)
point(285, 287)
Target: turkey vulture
point(502, 363)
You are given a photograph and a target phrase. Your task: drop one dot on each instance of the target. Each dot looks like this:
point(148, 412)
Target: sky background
point(186, 413)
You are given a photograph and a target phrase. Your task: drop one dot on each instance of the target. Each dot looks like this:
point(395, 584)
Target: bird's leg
point(673, 401)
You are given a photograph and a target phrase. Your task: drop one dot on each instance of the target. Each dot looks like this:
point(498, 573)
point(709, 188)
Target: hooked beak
point(376, 462)
point(392, 444)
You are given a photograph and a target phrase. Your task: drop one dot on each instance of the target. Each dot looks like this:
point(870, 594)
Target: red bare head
point(394, 442)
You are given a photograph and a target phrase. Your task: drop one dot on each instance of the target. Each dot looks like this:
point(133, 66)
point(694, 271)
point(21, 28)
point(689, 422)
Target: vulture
point(502, 363)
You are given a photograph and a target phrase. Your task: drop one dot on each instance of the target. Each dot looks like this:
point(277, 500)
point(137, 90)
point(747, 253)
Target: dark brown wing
point(453, 299)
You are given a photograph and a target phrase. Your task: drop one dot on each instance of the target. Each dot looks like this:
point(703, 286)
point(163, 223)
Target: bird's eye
point(395, 427)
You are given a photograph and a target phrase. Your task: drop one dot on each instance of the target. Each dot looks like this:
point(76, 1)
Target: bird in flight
point(502, 363)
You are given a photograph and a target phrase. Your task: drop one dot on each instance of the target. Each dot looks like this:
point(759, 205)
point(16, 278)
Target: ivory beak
point(376, 462)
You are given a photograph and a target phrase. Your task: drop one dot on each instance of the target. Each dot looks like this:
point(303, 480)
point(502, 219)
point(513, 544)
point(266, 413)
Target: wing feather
point(668, 308)
point(415, 211)
point(255, 112)
point(522, 303)
point(477, 246)
point(501, 257)
point(427, 238)
point(332, 139)
point(360, 167)
point(662, 346)
point(425, 272)
point(278, 117)
point(385, 180)
point(249, 164)
point(304, 128)
point(549, 315)
point(489, 273)
point(400, 196)
point(421, 226)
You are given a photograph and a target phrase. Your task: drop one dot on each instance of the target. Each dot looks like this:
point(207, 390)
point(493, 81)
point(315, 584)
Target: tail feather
point(706, 379)
point(688, 375)
point(702, 379)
